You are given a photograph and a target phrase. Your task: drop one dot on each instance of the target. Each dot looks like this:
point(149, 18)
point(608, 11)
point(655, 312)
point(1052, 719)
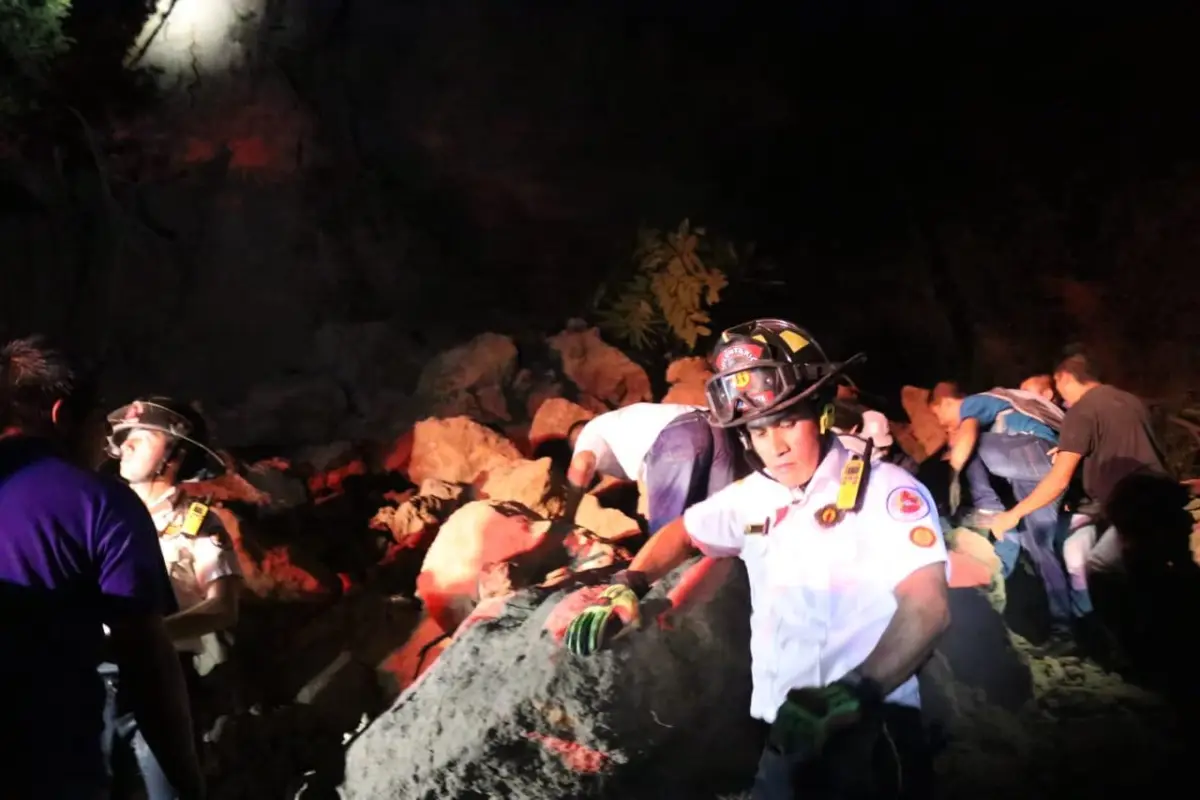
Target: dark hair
point(574, 429)
point(1076, 363)
point(33, 377)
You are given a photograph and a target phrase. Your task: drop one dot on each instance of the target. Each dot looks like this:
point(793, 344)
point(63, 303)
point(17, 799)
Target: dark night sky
point(525, 141)
point(818, 132)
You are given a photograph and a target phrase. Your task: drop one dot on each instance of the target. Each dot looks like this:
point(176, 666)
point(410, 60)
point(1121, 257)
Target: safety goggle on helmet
point(765, 366)
point(155, 416)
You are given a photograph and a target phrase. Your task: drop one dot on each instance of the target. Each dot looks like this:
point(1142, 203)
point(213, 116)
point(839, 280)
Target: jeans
point(1008, 550)
point(688, 462)
point(979, 481)
point(123, 739)
point(1087, 551)
point(886, 755)
point(1023, 460)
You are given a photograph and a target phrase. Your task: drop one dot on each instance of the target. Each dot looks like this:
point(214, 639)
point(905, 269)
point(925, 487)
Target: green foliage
point(677, 277)
point(31, 38)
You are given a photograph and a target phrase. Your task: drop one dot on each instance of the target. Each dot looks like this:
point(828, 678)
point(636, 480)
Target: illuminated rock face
point(220, 105)
point(186, 38)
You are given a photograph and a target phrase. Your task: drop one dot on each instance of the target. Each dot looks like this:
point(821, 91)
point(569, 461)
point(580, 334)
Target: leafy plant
point(31, 38)
point(678, 276)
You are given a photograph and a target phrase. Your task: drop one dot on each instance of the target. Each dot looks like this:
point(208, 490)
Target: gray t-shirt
point(1110, 428)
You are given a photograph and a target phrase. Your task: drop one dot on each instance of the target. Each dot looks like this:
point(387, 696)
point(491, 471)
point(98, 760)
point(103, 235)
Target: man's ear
point(56, 412)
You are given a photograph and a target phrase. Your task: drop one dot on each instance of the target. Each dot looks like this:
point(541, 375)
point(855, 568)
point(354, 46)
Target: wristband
point(868, 691)
point(636, 581)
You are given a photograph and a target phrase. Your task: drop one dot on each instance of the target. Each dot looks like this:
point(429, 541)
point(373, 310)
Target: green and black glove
point(617, 609)
point(811, 715)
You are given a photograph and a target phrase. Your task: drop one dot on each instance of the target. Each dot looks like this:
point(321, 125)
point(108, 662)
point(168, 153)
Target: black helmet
point(178, 420)
point(765, 366)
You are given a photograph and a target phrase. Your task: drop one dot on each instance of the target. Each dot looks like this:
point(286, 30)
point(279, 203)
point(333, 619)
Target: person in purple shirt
point(77, 552)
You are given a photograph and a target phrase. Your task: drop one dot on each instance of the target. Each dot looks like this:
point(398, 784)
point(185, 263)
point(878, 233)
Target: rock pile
point(408, 589)
point(506, 712)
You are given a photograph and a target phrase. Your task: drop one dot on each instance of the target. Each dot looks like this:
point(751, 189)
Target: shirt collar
point(163, 508)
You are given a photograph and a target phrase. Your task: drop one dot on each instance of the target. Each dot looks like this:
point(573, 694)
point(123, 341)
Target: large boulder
point(928, 433)
point(471, 379)
point(606, 377)
point(506, 712)
point(687, 378)
point(532, 484)
point(456, 450)
point(500, 543)
point(553, 420)
point(291, 412)
point(279, 572)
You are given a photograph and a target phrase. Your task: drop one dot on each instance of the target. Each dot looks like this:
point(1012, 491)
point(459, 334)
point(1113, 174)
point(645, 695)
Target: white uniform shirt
point(622, 438)
point(821, 597)
point(193, 563)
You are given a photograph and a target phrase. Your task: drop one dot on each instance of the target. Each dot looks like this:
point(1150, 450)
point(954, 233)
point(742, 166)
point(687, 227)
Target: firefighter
point(848, 573)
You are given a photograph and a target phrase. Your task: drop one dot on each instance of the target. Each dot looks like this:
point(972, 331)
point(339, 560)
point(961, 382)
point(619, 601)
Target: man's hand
point(955, 491)
point(1002, 523)
point(616, 609)
point(810, 716)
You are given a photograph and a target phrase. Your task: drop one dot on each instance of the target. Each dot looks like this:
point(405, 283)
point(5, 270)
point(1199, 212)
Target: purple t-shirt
point(76, 549)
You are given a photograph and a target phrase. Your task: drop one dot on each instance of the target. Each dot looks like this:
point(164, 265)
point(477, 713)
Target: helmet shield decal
point(738, 354)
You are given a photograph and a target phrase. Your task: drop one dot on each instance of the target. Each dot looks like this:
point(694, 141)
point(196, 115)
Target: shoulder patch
point(905, 504)
point(922, 536)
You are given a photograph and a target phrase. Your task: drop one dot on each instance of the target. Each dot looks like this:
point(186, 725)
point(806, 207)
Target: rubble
point(687, 378)
point(605, 377)
point(343, 539)
point(274, 573)
point(458, 450)
point(501, 546)
point(415, 522)
point(554, 418)
point(630, 722)
point(470, 380)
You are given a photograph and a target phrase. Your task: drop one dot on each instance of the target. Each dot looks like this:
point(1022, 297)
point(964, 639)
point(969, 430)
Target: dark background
point(959, 188)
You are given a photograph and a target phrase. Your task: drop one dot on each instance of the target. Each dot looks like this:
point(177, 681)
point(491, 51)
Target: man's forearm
point(574, 498)
point(908, 640)
point(581, 470)
point(209, 616)
point(964, 444)
point(667, 549)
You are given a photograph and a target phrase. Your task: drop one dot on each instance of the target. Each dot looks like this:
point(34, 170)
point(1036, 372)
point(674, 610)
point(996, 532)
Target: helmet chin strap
point(164, 461)
point(756, 463)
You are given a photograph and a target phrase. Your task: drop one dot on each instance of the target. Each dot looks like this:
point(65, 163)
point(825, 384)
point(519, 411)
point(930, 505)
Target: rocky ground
point(362, 556)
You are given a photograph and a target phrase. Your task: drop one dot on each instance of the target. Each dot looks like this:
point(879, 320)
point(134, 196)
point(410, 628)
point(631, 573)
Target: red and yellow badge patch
point(922, 536)
point(828, 516)
point(906, 504)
